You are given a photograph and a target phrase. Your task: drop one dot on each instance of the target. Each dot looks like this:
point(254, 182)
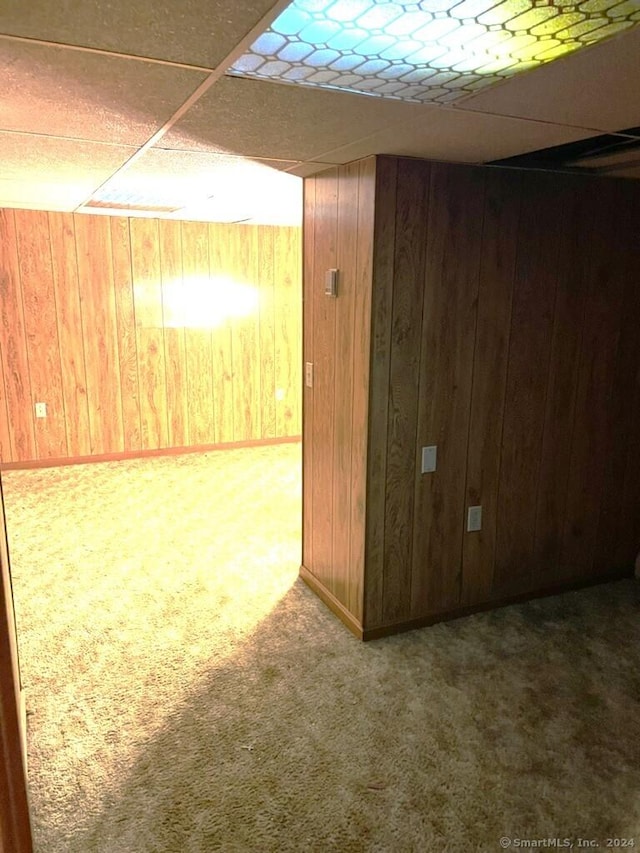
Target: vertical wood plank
point(147, 289)
point(541, 225)
point(383, 273)
point(219, 265)
point(5, 436)
point(100, 331)
point(287, 332)
point(295, 324)
point(126, 326)
point(41, 330)
point(404, 375)
point(267, 330)
point(245, 334)
point(14, 345)
point(202, 315)
point(173, 312)
point(618, 540)
point(361, 350)
point(499, 232)
point(561, 392)
point(69, 321)
point(347, 241)
point(451, 283)
point(324, 312)
point(308, 289)
point(591, 445)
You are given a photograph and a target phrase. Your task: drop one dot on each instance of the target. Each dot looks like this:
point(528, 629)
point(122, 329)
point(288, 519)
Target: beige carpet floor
point(187, 693)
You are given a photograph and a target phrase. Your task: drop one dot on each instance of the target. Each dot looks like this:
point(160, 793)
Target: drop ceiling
point(128, 106)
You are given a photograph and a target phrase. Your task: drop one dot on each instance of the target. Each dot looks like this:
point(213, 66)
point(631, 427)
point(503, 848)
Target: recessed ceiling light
point(434, 51)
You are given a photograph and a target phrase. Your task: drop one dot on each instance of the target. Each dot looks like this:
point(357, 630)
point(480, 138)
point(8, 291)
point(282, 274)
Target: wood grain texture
point(15, 829)
point(219, 240)
point(346, 259)
point(308, 279)
point(383, 271)
point(502, 318)
point(69, 320)
point(535, 284)
point(361, 351)
point(170, 247)
point(126, 326)
point(129, 322)
point(288, 331)
point(499, 245)
point(195, 267)
point(561, 393)
point(324, 375)
point(618, 541)
point(338, 234)
point(14, 345)
point(5, 435)
point(100, 330)
point(446, 371)
point(245, 336)
point(267, 332)
point(404, 380)
point(592, 427)
point(147, 285)
point(41, 330)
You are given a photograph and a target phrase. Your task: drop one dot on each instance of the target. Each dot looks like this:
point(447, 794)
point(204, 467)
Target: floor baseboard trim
point(143, 454)
point(381, 631)
point(328, 598)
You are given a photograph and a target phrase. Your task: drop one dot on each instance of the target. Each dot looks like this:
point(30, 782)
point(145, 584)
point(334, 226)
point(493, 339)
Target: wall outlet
point(429, 459)
point(41, 410)
point(474, 519)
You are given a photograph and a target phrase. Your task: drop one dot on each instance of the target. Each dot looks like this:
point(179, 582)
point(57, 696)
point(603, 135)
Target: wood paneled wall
point(339, 208)
point(508, 313)
point(141, 334)
point(503, 329)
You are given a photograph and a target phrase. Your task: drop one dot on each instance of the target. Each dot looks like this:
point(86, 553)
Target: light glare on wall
point(433, 51)
point(199, 302)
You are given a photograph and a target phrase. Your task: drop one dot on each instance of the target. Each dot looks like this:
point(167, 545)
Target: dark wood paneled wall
point(503, 329)
point(142, 334)
point(339, 207)
point(504, 304)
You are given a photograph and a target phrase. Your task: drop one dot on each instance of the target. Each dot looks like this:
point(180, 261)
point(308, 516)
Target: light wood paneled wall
point(338, 234)
point(144, 334)
point(502, 318)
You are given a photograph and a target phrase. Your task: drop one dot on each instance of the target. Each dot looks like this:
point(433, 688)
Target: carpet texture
point(187, 693)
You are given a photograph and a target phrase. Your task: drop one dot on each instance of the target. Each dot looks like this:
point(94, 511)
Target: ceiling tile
point(457, 136)
point(70, 93)
point(210, 186)
point(196, 32)
point(595, 88)
point(261, 119)
point(78, 168)
point(41, 195)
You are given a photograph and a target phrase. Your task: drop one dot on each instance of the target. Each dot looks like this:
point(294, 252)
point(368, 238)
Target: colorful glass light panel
point(434, 51)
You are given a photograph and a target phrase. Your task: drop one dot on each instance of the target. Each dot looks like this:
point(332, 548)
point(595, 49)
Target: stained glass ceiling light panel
point(434, 51)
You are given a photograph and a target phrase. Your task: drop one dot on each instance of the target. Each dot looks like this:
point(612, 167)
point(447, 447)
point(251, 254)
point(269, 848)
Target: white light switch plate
point(41, 410)
point(429, 459)
point(474, 519)
point(308, 374)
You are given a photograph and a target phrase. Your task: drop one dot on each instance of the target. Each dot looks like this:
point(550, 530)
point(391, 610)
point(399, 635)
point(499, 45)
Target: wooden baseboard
point(328, 598)
point(142, 454)
point(380, 631)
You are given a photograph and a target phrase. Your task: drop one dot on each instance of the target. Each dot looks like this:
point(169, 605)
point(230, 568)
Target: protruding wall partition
point(497, 321)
